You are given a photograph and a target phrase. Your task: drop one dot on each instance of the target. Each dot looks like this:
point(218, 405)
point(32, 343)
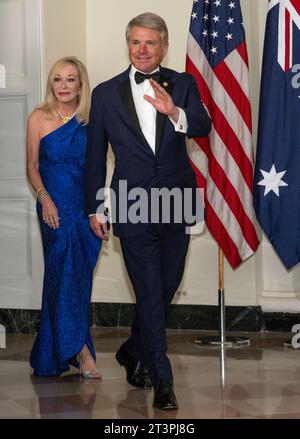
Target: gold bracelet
point(42, 194)
point(39, 190)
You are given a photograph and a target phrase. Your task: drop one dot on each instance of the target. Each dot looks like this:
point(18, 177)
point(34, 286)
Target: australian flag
point(277, 168)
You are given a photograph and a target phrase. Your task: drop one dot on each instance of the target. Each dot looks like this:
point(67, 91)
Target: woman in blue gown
point(56, 142)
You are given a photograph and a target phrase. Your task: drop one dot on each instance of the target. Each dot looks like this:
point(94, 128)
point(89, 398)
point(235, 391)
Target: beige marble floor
point(257, 381)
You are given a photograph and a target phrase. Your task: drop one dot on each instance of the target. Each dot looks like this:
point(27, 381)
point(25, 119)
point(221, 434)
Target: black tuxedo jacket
point(113, 119)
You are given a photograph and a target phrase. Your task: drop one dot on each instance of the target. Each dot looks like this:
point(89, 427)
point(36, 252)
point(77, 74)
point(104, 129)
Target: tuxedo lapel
point(161, 119)
point(126, 96)
point(128, 102)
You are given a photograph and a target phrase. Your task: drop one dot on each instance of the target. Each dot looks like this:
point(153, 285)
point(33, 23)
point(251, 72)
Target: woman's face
point(66, 84)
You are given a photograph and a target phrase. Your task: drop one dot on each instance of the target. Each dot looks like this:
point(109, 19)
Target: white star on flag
point(272, 181)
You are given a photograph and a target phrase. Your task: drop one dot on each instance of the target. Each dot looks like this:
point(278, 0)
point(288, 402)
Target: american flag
point(223, 162)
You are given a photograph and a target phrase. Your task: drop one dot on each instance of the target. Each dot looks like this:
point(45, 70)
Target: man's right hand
point(99, 226)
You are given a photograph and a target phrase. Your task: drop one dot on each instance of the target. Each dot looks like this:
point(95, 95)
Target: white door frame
point(21, 268)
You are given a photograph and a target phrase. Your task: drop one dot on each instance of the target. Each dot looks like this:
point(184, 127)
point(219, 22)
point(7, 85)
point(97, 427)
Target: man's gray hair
point(152, 21)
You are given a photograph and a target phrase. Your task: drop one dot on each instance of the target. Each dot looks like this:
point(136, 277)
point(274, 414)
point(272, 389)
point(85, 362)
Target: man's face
point(146, 50)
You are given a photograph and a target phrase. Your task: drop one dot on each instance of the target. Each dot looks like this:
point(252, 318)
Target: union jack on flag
point(289, 15)
point(223, 162)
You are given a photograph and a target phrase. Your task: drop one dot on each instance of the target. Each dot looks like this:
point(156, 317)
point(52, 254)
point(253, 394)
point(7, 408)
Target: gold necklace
point(65, 119)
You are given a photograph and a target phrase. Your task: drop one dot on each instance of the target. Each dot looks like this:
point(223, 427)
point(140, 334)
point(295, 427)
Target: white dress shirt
point(147, 113)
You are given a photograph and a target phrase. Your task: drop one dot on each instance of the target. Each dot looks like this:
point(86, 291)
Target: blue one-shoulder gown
point(70, 254)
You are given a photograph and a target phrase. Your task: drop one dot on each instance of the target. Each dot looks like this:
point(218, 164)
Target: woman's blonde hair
point(84, 99)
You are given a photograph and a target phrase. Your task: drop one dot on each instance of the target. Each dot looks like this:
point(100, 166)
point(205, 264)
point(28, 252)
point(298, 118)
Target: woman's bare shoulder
point(37, 116)
point(37, 124)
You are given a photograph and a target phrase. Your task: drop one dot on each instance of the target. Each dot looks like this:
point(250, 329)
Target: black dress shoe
point(136, 373)
point(164, 396)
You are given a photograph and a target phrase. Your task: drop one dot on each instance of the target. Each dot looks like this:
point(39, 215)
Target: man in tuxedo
point(146, 113)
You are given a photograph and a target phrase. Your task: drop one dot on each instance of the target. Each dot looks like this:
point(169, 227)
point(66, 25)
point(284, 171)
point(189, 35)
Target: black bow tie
point(140, 77)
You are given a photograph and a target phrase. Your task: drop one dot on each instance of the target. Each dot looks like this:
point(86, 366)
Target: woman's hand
point(50, 213)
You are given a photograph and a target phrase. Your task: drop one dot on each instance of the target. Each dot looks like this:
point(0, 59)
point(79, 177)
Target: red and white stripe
point(223, 162)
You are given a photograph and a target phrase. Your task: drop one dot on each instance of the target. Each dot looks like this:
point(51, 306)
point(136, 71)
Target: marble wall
point(196, 317)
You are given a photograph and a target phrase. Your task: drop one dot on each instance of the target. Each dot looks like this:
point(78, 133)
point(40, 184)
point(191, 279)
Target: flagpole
point(222, 340)
point(221, 297)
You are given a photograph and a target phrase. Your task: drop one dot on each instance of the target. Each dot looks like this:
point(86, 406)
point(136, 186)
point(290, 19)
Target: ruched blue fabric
point(70, 255)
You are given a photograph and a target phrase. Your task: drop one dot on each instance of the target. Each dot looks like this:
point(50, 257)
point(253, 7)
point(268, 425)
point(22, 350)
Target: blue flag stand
point(222, 340)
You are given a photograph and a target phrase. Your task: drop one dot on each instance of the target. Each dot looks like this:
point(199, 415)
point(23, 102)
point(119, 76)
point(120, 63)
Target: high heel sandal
point(94, 374)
